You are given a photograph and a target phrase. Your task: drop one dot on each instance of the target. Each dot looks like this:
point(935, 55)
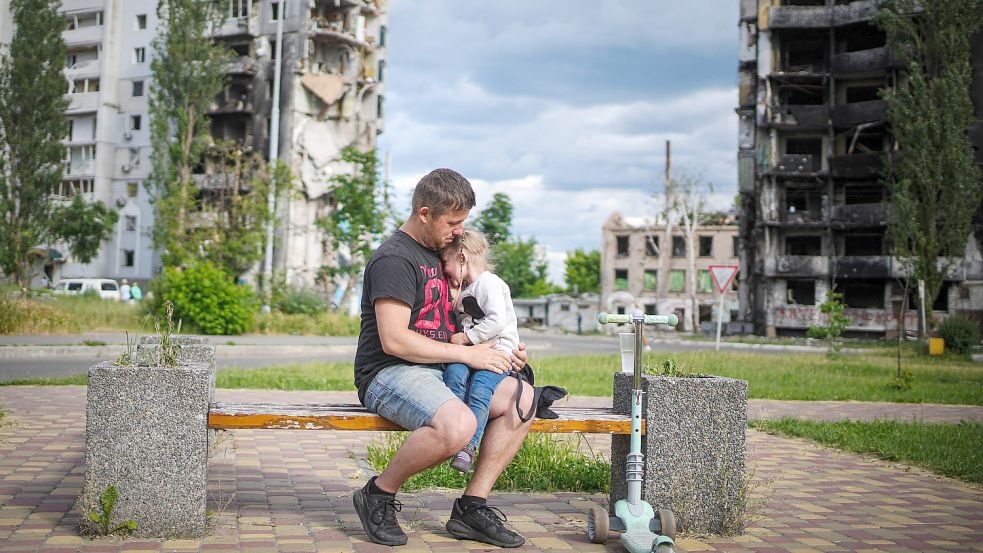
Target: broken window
point(854, 194)
point(941, 302)
point(128, 256)
point(141, 22)
point(863, 244)
point(652, 245)
point(621, 279)
point(650, 279)
point(807, 54)
point(736, 245)
point(805, 204)
point(622, 245)
point(862, 37)
point(800, 292)
point(704, 283)
point(135, 122)
point(678, 246)
point(706, 312)
point(803, 245)
point(131, 223)
point(677, 280)
point(802, 95)
point(811, 146)
point(862, 93)
point(706, 246)
point(864, 294)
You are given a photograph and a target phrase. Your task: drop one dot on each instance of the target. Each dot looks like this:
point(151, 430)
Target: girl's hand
point(484, 357)
point(461, 339)
point(519, 357)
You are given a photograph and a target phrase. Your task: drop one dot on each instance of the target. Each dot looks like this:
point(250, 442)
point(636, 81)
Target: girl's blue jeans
point(475, 388)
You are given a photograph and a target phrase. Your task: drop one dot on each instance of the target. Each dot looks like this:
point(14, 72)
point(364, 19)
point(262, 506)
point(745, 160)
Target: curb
point(111, 351)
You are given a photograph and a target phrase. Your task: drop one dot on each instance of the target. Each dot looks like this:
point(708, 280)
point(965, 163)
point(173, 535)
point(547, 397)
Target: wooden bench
point(229, 416)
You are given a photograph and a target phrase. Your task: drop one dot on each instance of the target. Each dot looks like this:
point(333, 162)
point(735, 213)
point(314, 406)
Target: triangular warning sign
point(722, 275)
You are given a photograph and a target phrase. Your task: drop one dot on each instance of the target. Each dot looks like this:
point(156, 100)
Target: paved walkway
point(291, 492)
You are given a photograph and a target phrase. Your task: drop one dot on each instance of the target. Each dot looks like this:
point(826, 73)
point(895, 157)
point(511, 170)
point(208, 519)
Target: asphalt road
point(56, 356)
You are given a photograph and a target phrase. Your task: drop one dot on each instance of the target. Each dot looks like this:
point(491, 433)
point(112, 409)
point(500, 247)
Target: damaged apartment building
point(813, 140)
point(331, 97)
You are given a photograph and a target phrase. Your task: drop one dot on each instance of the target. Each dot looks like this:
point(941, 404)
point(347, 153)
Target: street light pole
point(274, 154)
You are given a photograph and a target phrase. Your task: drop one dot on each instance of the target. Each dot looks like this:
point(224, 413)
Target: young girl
point(484, 310)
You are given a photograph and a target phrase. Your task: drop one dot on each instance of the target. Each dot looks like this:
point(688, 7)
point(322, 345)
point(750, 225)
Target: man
point(402, 347)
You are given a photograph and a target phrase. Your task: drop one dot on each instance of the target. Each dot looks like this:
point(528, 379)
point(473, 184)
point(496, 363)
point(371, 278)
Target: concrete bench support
point(147, 434)
point(694, 448)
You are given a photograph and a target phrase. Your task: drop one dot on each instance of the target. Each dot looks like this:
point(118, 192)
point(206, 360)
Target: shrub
point(960, 334)
point(207, 298)
point(301, 301)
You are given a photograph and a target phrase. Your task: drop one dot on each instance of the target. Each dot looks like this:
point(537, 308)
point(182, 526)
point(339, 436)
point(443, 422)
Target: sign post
point(722, 277)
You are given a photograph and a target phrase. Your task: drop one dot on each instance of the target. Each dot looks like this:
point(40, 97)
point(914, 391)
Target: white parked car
point(107, 288)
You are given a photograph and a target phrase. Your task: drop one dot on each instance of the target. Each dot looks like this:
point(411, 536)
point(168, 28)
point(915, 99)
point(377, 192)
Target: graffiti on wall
point(802, 316)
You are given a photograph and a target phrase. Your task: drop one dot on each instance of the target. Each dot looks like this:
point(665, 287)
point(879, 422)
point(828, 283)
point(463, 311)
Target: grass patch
point(545, 462)
point(49, 314)
point(322, 324)
point(949, 449)
point(867, 377)
point(74, 380)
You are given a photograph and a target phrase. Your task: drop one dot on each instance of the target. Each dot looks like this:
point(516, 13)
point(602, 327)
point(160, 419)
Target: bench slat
point(228, 416)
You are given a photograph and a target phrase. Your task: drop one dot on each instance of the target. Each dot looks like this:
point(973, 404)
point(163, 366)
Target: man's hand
point(485, 357)
point(519, 357)
point(460, 338)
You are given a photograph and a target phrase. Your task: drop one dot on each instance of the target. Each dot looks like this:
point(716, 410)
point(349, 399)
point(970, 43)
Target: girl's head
point(466, 258)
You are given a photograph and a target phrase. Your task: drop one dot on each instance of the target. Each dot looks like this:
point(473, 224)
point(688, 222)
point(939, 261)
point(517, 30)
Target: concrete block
point(694, 448)
point(187, 354)
point(146, 433)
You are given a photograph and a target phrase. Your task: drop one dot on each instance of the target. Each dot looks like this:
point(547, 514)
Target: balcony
point(326, 31)
point(800, 117)
point(242, 65)
point(857, 166)
point(798, 17)
point(864, 61)
point(82, 102)
point(235, 26)
point(796, 266)
point(851, 115)
point(792, 165)
point(80, 5)
point(85, 35)
point(854, 12)
point(89, 68)
point(862, 266)
point(868, 215)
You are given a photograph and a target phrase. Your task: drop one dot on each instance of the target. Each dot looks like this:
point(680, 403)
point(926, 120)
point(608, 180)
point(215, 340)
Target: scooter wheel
point(598, 525)
point(667, 522)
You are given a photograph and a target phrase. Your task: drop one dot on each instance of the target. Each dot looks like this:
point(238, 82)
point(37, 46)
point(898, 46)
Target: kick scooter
point(643, 529)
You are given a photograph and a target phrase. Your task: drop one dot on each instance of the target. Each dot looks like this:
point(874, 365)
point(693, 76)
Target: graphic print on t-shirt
point(436, 306)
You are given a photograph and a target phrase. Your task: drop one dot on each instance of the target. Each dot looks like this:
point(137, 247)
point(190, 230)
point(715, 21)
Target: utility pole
point(274, 154)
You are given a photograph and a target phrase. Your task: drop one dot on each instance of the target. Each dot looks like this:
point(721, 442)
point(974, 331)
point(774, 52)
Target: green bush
point(301, 301)
point(960, 334)
point(207, 298)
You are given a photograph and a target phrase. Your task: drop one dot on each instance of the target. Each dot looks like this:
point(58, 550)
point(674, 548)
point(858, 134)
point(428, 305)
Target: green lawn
point(949, 449)
point(801, 376)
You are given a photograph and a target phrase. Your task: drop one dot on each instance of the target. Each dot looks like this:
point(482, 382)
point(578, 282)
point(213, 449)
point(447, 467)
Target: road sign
point(723, 275)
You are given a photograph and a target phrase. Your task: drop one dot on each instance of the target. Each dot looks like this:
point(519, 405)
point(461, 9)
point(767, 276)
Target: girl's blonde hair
point(474, 242)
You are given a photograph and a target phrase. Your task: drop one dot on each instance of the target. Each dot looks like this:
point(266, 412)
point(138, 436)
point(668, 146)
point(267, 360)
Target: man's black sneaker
point(482, 523)
point(378, 515)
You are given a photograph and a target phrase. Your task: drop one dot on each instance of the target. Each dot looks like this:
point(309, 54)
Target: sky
point(564, 105)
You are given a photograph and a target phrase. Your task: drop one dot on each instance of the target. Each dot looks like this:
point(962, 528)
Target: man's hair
point(443, 190)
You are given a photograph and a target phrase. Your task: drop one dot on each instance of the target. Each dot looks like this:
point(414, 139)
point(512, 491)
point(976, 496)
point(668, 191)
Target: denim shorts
point(408, 394)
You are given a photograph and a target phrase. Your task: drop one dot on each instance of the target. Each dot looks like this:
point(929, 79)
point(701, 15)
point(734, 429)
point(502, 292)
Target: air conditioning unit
point(120, 202)
point(128, 135)
point(126, 168)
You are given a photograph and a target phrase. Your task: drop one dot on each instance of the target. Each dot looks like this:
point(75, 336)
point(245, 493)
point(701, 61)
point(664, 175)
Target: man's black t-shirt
point(401, 269)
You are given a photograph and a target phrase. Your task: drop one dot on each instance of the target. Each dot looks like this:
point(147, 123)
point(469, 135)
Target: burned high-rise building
point(813, 140)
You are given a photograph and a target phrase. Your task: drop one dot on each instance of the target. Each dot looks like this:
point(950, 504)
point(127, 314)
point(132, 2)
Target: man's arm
point(393, 318)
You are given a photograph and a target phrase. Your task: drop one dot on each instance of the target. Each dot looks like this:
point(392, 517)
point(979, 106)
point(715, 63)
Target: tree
point(360, 208)
point(189, 72)
point(495, 221)
point(689, 200)
point(32, 126)
point(583, 271)
point(236, 208)
point(936, 188)
point(522, 267)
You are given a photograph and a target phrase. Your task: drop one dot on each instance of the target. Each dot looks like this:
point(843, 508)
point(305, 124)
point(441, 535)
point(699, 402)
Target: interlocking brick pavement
point(291, 492)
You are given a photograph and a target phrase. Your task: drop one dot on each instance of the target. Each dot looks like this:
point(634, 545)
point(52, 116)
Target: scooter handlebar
point(613, 318)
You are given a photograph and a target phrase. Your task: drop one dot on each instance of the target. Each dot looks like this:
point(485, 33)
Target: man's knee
point(455, 423)
point(504, 400)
